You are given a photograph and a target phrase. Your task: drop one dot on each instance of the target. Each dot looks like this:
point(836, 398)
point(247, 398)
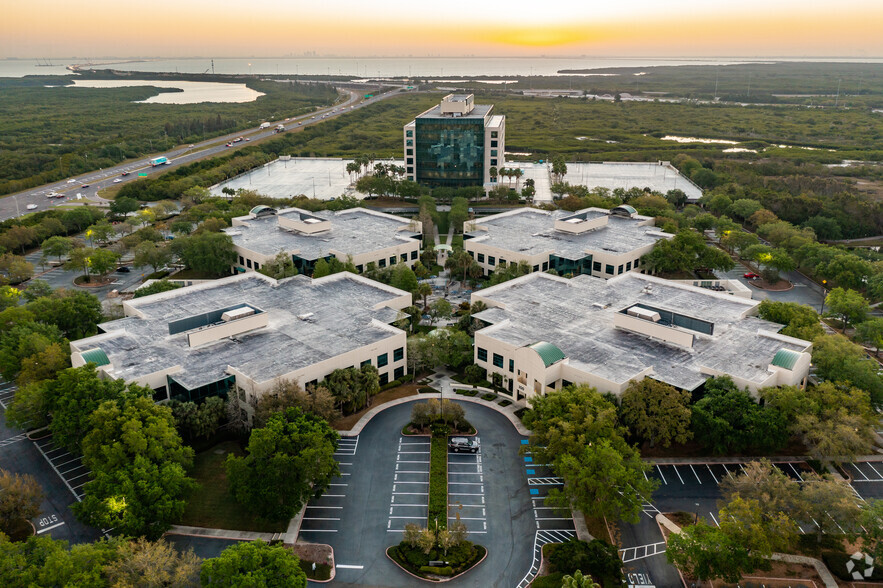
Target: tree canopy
point(656, 412)
point(253, 564)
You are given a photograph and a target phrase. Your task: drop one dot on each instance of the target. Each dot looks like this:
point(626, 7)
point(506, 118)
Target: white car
point(52, 194)
point(117, 180)
point(71, 181)
point(31, 207)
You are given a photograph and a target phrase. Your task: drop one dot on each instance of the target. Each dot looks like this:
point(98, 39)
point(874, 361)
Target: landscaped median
point(437, 552)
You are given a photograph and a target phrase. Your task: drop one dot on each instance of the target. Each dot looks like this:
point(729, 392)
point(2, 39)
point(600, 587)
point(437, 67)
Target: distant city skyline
point(396, 28)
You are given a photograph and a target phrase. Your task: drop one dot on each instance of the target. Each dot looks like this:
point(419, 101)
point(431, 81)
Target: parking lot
point(388, 487)
point(56, 472)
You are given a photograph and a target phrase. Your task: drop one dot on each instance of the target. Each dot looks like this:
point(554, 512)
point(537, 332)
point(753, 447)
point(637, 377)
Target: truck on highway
point(159, 161)
point(264, 125)
point(279, 129)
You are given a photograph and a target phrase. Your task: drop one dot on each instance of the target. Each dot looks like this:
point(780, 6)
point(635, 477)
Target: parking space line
point(799, 477)
point(870, 465)
point(714, 519)
point(716, 481)
point(695, 474)
point(320, 519)
point(317, 506)
point(859, 470)
point(661, 475)
point(50, 528)
point(678, 473)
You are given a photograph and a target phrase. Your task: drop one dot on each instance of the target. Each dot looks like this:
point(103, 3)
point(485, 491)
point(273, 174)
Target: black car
point(123, 270)
point(458, 444)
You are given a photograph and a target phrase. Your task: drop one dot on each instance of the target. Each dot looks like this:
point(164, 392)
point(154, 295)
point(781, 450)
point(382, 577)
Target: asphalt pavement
point(13, 205)
point(385, 485)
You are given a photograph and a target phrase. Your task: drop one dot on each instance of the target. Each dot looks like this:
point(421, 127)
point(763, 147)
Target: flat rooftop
point(478, 112)
point(530, 231)
point(338, 313)
point(353, 231)
point(577, 316)
point(315, 177)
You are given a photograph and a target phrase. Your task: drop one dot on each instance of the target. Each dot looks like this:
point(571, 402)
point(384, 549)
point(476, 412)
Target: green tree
point(454, 347)
point(321, 269)
point(829, 503)
point(439, 310)
point(74, 395)
point(157, 287)
point(289, 460)
point(139, 468)
point(287, 394)
point(832, 420)
point(57, 246)
point(656, 412)
point(871, 332)
point(403, 278)
point(43, 365)
point(766, 484)
point(101, 232)
point(577, 580)
point(850, 306)
point(153, 564)
point(22, 341)
point(208, 252)
point(838, 359)
point(253, 564)
point(745, 207)
point(20, 498)
point(727, 419)
point(43, 561)
point(29, 408)
point(424, 290)
point(149, 253)
point(281, 267)
point(76, 314)
point(871, 523)
point(102, 261)
point(124, 205)
point(79, 260)
point(37, 289)
point(801, 321)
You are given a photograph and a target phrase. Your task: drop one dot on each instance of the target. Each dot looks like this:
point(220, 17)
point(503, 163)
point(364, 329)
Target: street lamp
point(824, 295)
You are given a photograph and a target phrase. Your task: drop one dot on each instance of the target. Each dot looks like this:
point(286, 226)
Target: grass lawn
point(457, 242)
point(212, 505)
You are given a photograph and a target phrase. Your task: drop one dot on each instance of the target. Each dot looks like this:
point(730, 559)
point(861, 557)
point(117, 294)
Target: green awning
point(96, 356)
point(548, 353)
point(785, 358)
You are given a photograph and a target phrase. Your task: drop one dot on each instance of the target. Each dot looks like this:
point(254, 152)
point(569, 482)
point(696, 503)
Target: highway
point(16, 204)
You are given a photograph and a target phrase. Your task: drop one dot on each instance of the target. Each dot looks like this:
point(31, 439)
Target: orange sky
point(399, 27)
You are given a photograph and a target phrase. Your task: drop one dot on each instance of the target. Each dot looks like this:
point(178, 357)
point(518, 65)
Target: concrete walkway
point(224, 534)
point(442, 381)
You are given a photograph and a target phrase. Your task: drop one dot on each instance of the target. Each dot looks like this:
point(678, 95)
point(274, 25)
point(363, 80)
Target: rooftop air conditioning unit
point(643, 313)
point(305, 316)
point(237, 313)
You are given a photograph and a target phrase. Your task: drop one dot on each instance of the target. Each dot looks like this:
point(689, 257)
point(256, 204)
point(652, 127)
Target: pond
point(193, 92)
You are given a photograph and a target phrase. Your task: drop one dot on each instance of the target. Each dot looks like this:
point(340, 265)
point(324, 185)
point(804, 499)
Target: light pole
point(824, 295)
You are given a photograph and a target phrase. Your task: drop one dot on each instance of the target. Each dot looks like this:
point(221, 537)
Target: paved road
point(384, 486)
point(14, 205)
point(59, 475)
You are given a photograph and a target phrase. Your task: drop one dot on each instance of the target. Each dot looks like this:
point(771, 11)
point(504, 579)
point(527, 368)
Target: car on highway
point(59, 195)
point(71, 181)
point(124, 174)
point(117, 180)
point(31, 207)
point(84, 185)
point(237, 139)
point(458, 444)
point(229, 144)
point(52, 194)
point(750, 276)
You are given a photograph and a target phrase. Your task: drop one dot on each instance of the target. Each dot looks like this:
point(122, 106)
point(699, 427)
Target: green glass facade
point(575, 267)
point(450, 151)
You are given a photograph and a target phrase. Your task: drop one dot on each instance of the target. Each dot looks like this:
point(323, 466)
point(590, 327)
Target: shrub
point(438, 481)
point(474, 373)
point(598, 558)
point(438, 571)
point(488, 396)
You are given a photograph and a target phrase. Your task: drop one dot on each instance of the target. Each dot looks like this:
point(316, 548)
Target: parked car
point(458, 444)
point(123, 269)
point(750, 276)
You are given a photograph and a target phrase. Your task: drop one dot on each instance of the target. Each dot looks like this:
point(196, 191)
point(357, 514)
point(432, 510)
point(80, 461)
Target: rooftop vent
point(237, 313)
point(643, 313)
point(305, 316)
point(624, 210)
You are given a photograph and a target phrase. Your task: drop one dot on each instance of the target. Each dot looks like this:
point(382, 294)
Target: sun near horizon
point(398, 28)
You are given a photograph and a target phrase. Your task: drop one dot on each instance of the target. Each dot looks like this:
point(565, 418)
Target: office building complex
point(455, 143)
point(545, 332)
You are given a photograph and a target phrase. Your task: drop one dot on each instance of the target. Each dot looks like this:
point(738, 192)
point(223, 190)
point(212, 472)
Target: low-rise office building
point(455, 144)
point(593, 241)
point(545, 332)
point(252, 332)
point(357, 234)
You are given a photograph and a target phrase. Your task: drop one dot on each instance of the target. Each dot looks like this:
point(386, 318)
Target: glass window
point(609, 269)
point(637, 262)
point(410, 161)
point(409, 142)
point(392, 260)
point(359, 268)
point(409, 152)
point(248, 262)
point(511, 365)
point(545, 265)
point(381, 263)
point(502, 261)
point(498, 360)
point(399, 373)
point(493, 144)
point(409, 133)
point(481, 258)
point(491, 260)
point(596, 266)
point(241, 261)
point(414, 254)
point(493, 162)
point(536, 268)
point(364, 363)
point(398, 354)
point(482, 354)
point(384, 378)
point(620, 270)
point(410, 170)
point(257, 266)
point(493, 152)
point(450, 151)
point(382, 360)
point(628, 267)
point(493, 134)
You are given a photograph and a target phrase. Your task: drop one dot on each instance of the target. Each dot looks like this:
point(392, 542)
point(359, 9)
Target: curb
point(461, 574)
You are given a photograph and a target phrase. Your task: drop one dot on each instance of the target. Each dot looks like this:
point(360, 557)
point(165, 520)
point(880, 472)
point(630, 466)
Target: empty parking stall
point(409, 501)
point(322, 515)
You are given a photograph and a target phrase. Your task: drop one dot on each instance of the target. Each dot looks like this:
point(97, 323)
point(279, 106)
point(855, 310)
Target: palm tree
point(517, 173)
point(492, 172)
point(424, 290)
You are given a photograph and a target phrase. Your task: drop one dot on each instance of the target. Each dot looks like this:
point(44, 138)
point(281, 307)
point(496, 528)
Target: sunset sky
point(41, 28)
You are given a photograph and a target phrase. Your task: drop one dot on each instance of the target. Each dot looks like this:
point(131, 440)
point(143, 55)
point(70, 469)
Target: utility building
point(455, 143)
point(545, 332)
